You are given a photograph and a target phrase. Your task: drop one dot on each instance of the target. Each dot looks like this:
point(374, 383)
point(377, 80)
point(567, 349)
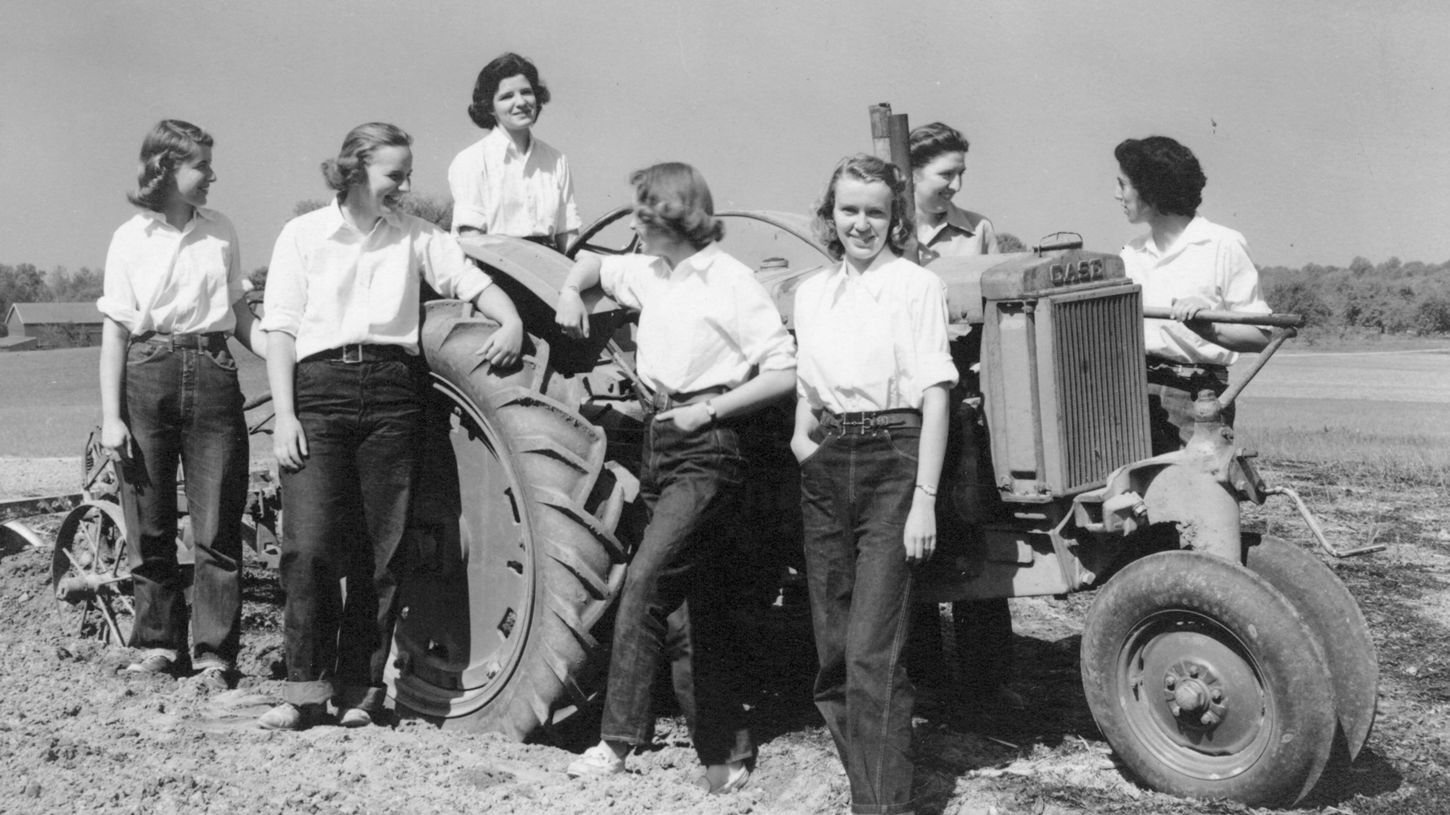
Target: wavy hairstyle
point(351, 163)
point(863, 167)
point(1166, 174)
point(929, 141)
point(493, 74)
point(673, 196)
point(170, 143)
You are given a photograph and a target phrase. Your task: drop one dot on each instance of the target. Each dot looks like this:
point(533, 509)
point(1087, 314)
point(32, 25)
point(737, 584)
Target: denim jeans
point(343, 516)
point(856, 491)
point(185, 404)
point(691, 484)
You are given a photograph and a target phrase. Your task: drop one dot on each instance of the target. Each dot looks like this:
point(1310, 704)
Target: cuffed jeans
point(185, 404)
point(691, 484)
point(856, 491)
point(343, 515)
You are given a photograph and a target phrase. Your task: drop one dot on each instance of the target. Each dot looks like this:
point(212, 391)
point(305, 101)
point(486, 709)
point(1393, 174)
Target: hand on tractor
point(501, 349)
point(920, 537)
point(1185, 309)
point(289, 443)
point(571, 315)
point(116, 439)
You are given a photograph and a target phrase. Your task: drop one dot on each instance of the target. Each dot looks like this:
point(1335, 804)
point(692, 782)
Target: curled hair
point(170, 143)
point(493, 75)
point(929, 141)
point(863, 167)
point(351, 163)
point(673, 196)
point(1165, 173)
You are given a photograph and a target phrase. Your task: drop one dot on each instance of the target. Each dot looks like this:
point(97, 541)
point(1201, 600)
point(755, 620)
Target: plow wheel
point(90, 574)
point(1331, 611)
point(514, 556)
point(1207, 681)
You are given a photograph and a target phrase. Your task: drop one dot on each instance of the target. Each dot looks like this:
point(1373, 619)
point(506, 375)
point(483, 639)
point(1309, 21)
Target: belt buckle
point(352, 354)
point(861, 423)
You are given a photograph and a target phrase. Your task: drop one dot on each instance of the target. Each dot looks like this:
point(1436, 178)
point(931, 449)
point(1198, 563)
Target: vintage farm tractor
point(1217, 663)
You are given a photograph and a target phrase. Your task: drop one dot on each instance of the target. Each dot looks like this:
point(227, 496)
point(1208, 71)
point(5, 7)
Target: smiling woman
point(347, 383)
point(510, 182)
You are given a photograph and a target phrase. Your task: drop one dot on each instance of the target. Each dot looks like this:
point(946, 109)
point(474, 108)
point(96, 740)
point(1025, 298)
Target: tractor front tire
point(1207, 681)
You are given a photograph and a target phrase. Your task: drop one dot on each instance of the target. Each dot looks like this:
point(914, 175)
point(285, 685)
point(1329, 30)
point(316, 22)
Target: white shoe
point(597, 760)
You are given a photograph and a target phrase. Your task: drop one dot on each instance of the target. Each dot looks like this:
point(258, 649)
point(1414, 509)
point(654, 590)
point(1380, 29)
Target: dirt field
point(78, 735)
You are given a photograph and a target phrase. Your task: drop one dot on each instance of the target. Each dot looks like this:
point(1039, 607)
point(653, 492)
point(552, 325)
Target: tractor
point(1218, 664)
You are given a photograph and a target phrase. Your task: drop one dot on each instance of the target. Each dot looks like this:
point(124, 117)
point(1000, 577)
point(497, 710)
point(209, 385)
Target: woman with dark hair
point(342, 323)
point(983, 627)
point(870, 435)
point(938, 161)
point(1187, 264)
point(712, 349)
point(510, 182)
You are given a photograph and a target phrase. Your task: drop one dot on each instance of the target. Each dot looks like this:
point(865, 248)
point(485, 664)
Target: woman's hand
point(502, 347)
point(920, 536)
point(571, 315)
point(802, 447)
point(116, 439)
point(289, 443)
point(688, 418)
point(1185, 309)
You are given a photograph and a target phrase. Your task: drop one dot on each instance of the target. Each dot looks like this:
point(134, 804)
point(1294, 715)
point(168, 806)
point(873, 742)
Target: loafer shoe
point(214, 677)
point(288, 716)
point(355, 717)
point(152, 663)
point(596, 761)
point(723, 779)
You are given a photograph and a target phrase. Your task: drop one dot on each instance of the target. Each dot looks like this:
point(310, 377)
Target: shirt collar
point(498, 143)
point(333, 222)
point(872, 281)
point(156, 220)
point(1197, 231)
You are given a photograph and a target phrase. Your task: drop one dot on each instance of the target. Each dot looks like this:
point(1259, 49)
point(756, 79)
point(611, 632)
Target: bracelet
point(710, 409)
point(930, 491)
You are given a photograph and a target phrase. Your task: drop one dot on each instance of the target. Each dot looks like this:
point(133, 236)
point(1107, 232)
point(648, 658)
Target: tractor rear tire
point(1329, 608)
point(1207, 681)
point(514, 559)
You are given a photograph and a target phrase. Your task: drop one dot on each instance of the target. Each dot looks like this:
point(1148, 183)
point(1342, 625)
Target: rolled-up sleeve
point(567, 218)
point(465, 181)
point(763, 338)
point(616, 274)
point(1240, 279)
point(285, 294)
point(446, 268)
point(118, 298)
point(235, 273)
point(932, 352)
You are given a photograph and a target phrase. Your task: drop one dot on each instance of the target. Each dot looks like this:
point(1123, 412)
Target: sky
point(1323, 127)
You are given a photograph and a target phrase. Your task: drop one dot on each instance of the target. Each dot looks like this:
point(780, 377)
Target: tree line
point(1386, 298)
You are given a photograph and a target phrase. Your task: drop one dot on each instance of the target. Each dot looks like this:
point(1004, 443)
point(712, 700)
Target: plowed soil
point(77, 734)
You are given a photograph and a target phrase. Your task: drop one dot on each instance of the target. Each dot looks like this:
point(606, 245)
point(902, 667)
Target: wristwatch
point(710, 409)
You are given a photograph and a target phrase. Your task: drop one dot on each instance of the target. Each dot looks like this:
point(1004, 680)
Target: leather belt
point(358, 353)
point(1185, 370)
point(869, 421)
point(211, 339)
point(661, 401)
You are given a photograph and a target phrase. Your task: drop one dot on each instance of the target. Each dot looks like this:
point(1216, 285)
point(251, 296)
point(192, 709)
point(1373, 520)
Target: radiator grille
point(1101, 389)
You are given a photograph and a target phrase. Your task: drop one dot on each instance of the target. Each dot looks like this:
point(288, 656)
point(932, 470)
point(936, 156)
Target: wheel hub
point(1193, 694)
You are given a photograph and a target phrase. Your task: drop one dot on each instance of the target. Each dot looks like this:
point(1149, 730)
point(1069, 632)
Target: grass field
point(1374, 415)
point(1378, 417)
